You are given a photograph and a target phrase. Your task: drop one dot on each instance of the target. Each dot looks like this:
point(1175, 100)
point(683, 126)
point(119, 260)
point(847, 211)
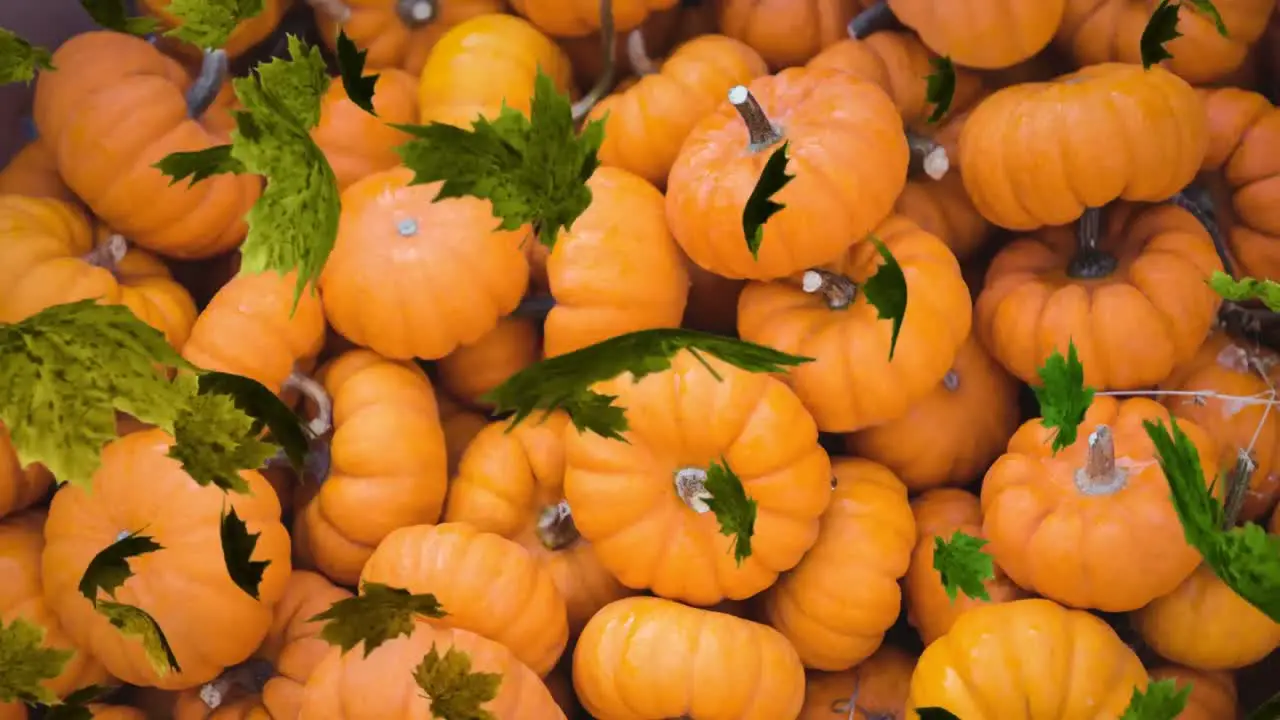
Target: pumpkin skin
point(338, 689)
point(471, 371)
point(410, 277)
point(575, 18)
point(293, 645)
point(836, 605)
point(1078, 539)
point(1174, 625)
point(185, 586)
point(20, 487)
point(989, 35)
point(646, 658)
point(973, 412)
point(646, 123)
point(943, 209)
point(376, 26)
point(460, 427)
point(483, 62)
point(786, 32)
point(1153, 310)
point(853, 384)
point(881, 683)
point(837, 127)
point(91, 114)
point(387, 463)
point(683, 419)
point(50, 254)
point(997, 662)
point(592, 268)
point(1213, 694)
point(941, 513)
point(246, 34)
point(33, 171)
point(511, 484)
point(486, 583)
point(357, 144)
point(1049, 169)
point(1097, 31)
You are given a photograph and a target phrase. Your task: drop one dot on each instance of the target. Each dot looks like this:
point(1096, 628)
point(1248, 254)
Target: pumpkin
point(412, 277)
point(20, 486)
point(874, 689)
point(117, 106)
point(396, 33)
point(1092, 526)
point(1098, 31)
point(460, 425)
point(592, 269)
point(836, 605)
point(854, 383)
point(485, 583)
point(646, 122)
point(356, 143)
point(648, 658)
point(574, 18)
point(33, 171)
point(1205, 625)
point(184, 586)
point(837, 127)
point(639, 502)
point(99, 711)
point(788, 32)
point(339, 687)
point(1023, 646)
point(1213, 694)
point(511, 484)
point(50, 254)
point(942, 513)
point(943, 209)
point(1227, 367)
point(483, 63)
point(972, 414)
point(1131, 296)
point(293, 645)
point(245, 36)
point(1040, 154)
point(471, 371)
point(387, 465)
point(991, 34)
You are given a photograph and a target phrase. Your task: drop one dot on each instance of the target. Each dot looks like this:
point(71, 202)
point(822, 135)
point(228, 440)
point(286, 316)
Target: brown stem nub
point(236, 681)
point(872, 20)
point(555, 526)
point(322, 422)
point(416, 13)
point(638, 53)
point(838, 290)
point(202, 93)
point(1090, 263)
point(109, 254)
point(760, 129)
point(691, 486)
point(1237, 488)
point(608, 46)
point(951, 381)
point(928, 156)
point(535, 306)
point(1100, 475)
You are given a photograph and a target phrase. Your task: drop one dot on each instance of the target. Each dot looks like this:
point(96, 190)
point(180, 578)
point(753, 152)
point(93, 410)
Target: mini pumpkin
point(1213, 694)
point(33, 171)
point(991, 34)
point(575, 18)
point(356, 143)
point(460, 426)
point(874, 689)
point(20, 487)
point(787, 33)
point(245, 36)
point(293, 645)
point(396, 33)
point(473, 370)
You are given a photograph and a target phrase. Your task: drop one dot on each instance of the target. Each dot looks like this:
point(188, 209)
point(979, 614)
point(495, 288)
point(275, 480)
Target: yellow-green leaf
point(378, 614)
point(137, 623)
point(1062, 395)
point(25, 663)
point(208, 23)
point(19, 59)
point(453, 689)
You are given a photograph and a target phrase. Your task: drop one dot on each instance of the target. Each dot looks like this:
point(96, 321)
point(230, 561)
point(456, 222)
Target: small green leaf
point(936, 713)
point(25, 663)
point(1062, 395)
point(114, 15)
point(237, 551)
point(1161, 28)
point(760, 204)
point(257, 401)
point(563, 382)
point(208, 24)
point(735, 512)
point(963, 565)
point(215, 440)
point(940, 87)
point(199, 164)
point(1206, 8)
point(1245, 289)
point(887, 292)
point(1162, 700)
point(19, 59)
point(358, 86)
point(378, 614)
point(455, 692)
point(75, 706)
point(108, 570)
point(136, 622)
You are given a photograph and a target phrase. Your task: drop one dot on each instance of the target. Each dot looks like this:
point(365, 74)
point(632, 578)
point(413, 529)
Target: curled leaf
point(760, 204)
point(378, 614)
point(109, 569)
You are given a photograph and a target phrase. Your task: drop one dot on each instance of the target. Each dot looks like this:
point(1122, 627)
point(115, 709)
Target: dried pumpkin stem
point(838, 290)
point(1195, 199)
point(951, 381)
point(202, 93)
point(691, 486)
point(1237, 488)
point(874, 19)
point(1090, 263)
point(608, 48)
point(638, 53)
point(322, 422)
point(762, 132)
point(555, 527)
point(535, 306)
point(109, 254)
point(247, 678)
point(1100, 475)
point(928, 156)
point(417, 13)
point(336, 10)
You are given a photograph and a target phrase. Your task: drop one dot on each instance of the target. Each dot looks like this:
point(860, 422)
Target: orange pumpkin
point(387, 464)
point(117, 106)
point(460, 426)
point(646, 122)
point(990, 35)
point(1022, 643)
point(473, 370)
point(836, 605)
point(511, 484)
point(33, 172)
point(788, 32)
point(1092, 526)
point(484, 62)
point(942, 513)
point(574, 18)
point(245, 36)
point(293, 645)
point(1130, 296)
point(485, 583)
point(50, 254)
point(357, 144)
point(847, 152)
point(1213, 694)
point(592, 269)
point(184, 586)
point(854, 383)
point(645, 657)
point(396, 33)
point(412, 277)
point(20, 487)
point(943, 209)
point(681, 420)
point(874, 689)
point(1040, 154)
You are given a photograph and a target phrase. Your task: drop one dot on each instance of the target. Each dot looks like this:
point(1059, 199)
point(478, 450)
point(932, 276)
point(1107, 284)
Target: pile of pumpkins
point(1067, 194)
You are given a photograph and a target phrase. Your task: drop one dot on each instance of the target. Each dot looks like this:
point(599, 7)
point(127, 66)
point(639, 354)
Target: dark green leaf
point(359, 87)
point(887, 291)
point(1062, 395)
point(1162, 700)
point(75, 705)
point(285, 428)
point(199, 164)
point(936, 713)
point(113, 15)
point(963, 565)
point(109, 569)
point(760, 204)
point(940, 87)
point(735, 512)
point(455, 692)
point(237, 551)
point(378, 614)
point(1161, 28)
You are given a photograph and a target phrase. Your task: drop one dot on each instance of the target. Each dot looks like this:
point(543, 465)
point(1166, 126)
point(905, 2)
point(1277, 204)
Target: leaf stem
point(555, 527)
point(638, 54)
point(204, 90)
point(838, 290)
point(1090, 263)
point(761, 131)
point(928, 156)
point(872, 20)
point(1100, 476)
point(108, 254)
point(691, 486)
point(417, 13)
point(608, 43)
point(322, 423)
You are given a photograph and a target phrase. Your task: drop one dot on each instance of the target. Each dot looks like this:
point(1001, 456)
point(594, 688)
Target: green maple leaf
point(455, 692)
point(760, 204)
point(238, 545)
point(214, 440)
point(1246, 288)
point(200, 164)
point(735, 512)
point(358, 86)
point(109, 569)
point(266, 409)
point(137, 623)
point(75, 706)
point(19, 59)
point(963, 566)
point(1207, 8)
point(1161, 28)
point(114, 15)
point(1162, 700)
point(378, 614)
point(1062, 395)
point(940, 87)
point(25, 663)
point(887, 292)
point(208, 23)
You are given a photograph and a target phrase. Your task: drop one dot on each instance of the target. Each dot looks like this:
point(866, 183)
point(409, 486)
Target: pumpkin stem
point(336, 10)
point(691, 486)
point(1237, 483)
point(872, 20)
point(315, 392)
point(638, 54)
point(928, 156)
point(247, 678)
point(1100, 476)
point(416, 13)
point(760, 129)
point(1090, 263)
point(608, 42)
point(555, 526)
point(109, 254)
point(202, 93)
point(951, 381)
point(838, 290)
point(535, 306)
point(1195, 199)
